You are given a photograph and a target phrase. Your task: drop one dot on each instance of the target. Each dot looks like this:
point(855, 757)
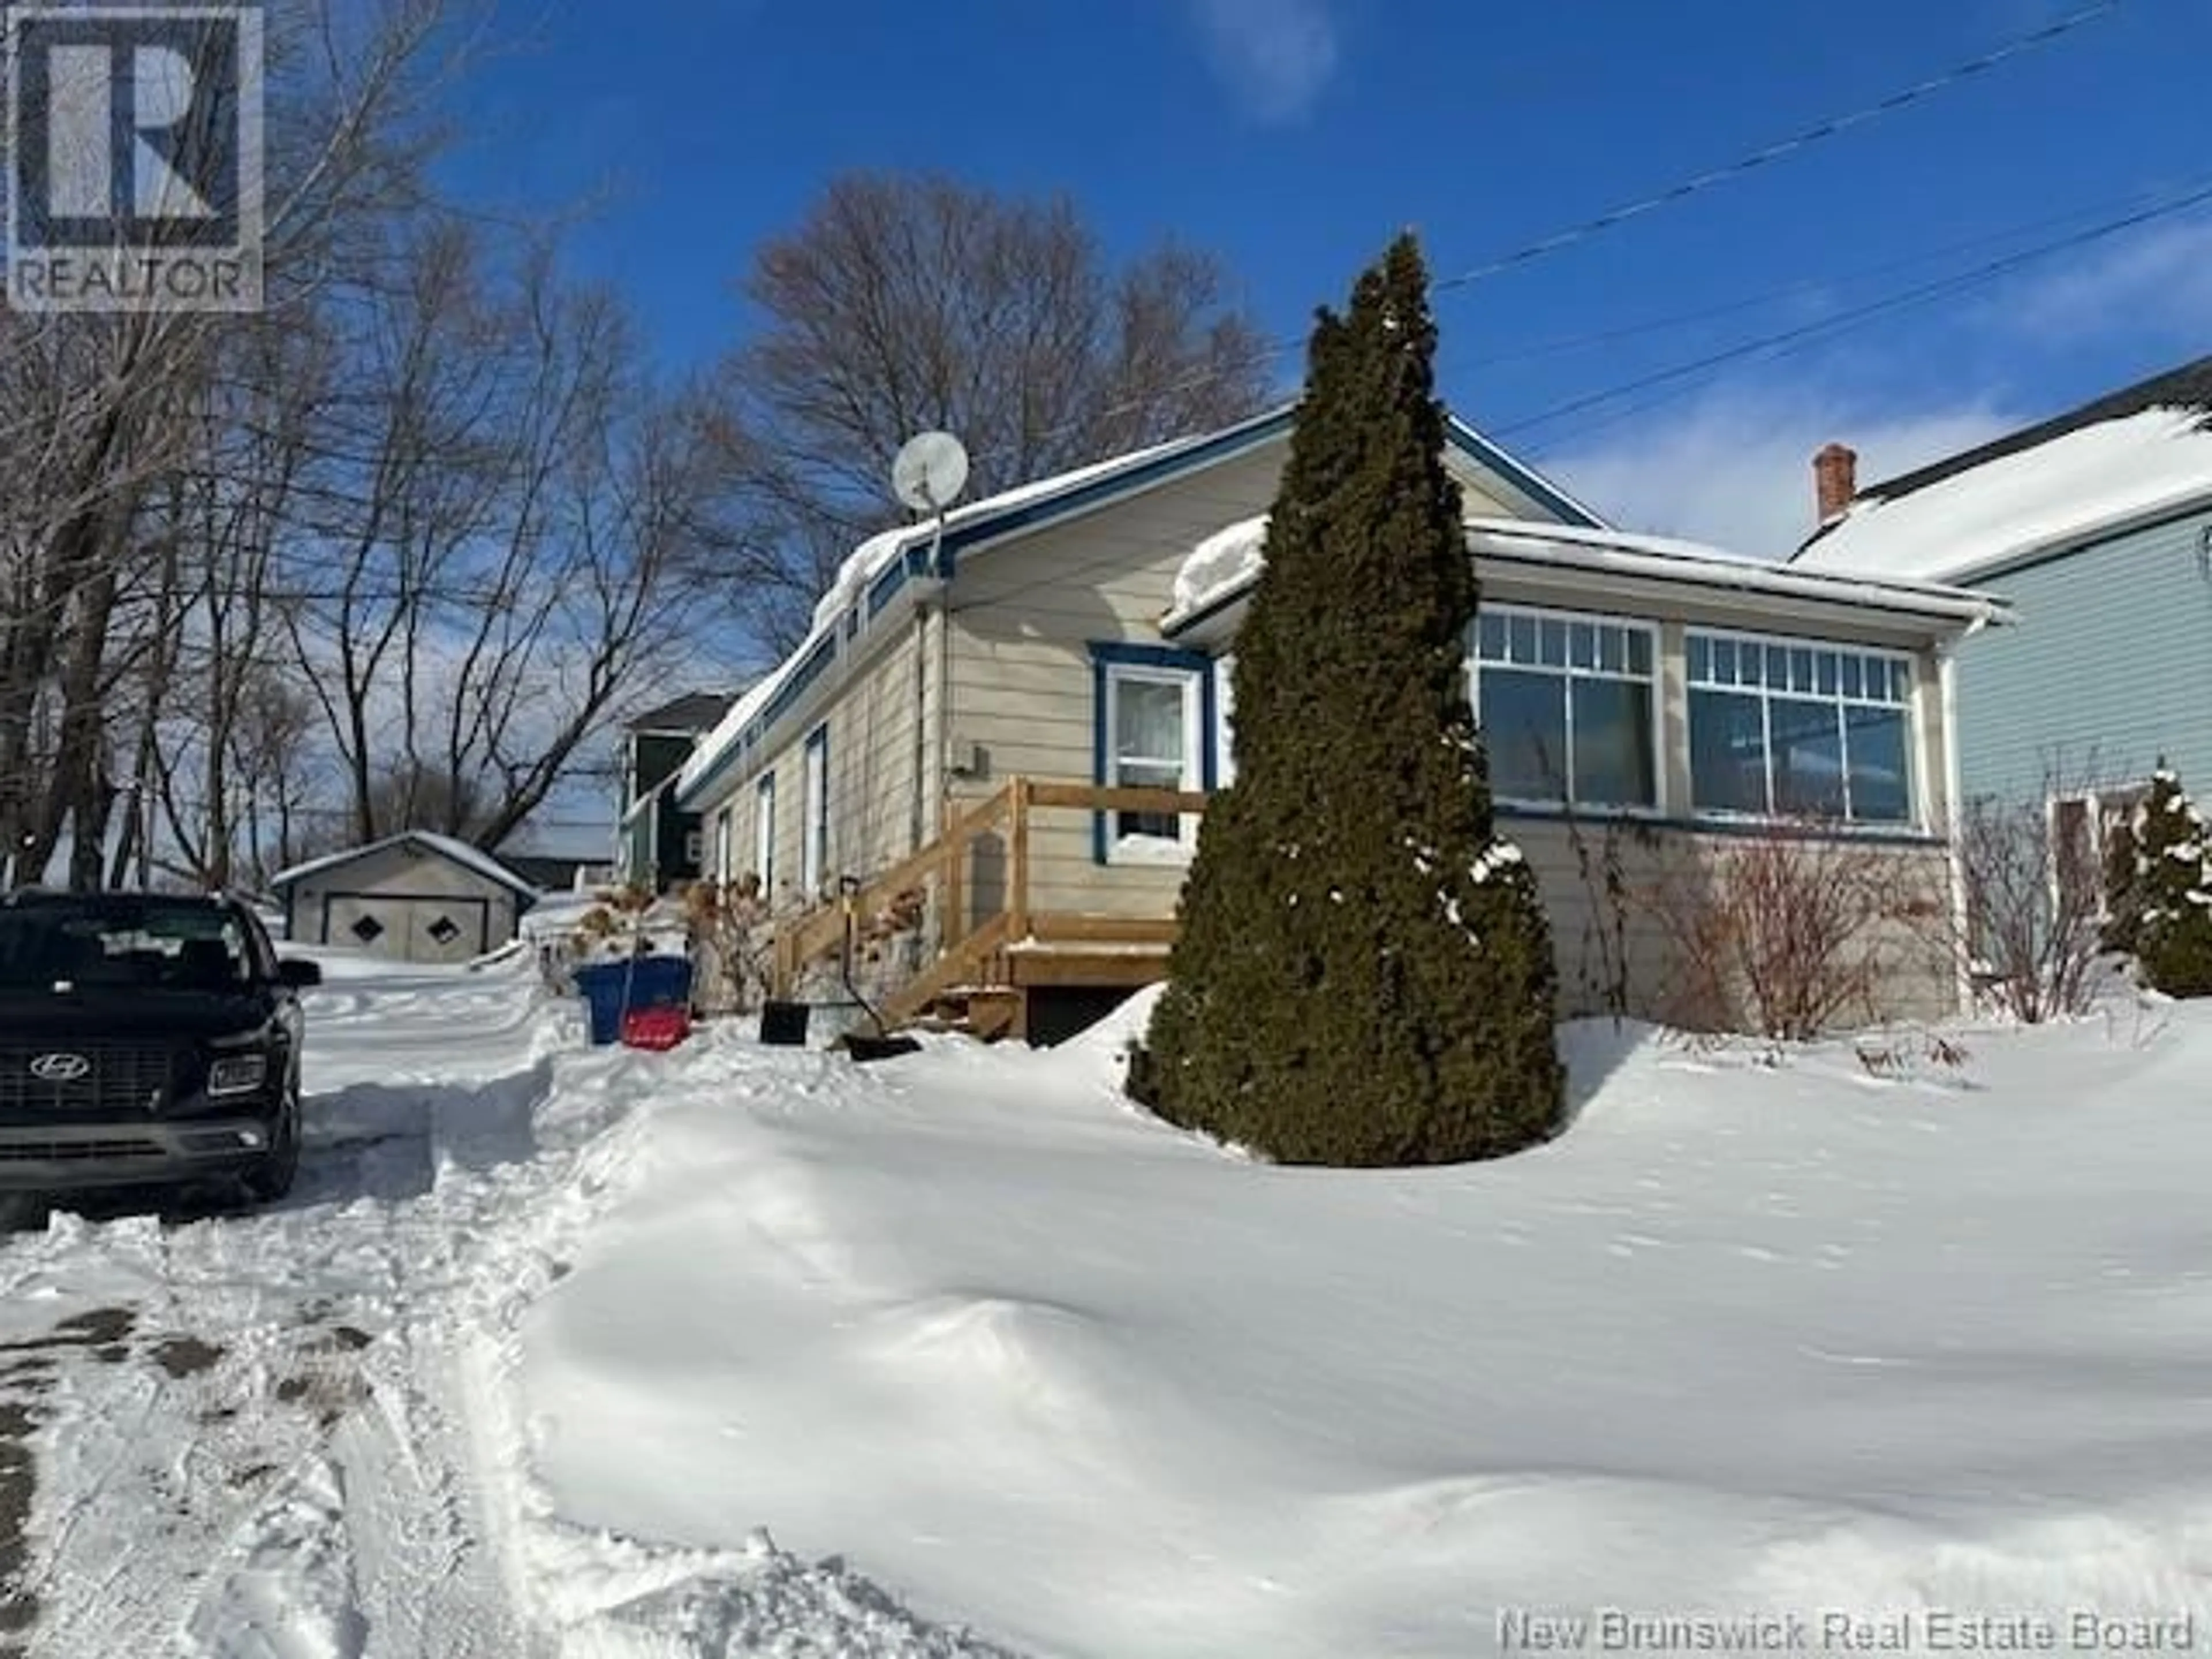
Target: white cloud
point(1735, 467)
point(1275, 56)
point(2158, 283)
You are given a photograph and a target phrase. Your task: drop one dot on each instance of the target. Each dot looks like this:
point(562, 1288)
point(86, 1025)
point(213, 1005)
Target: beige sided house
point(1012, 719)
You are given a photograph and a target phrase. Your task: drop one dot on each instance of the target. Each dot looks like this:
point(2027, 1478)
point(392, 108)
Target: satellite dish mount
point(928, 475)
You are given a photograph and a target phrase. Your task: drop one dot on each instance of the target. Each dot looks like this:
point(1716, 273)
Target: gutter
point(918, 816)
point(1778, 582)
point(1955, 605)
point(926, 589)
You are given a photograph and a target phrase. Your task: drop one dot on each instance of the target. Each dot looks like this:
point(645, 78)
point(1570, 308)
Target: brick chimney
point(1835, 480)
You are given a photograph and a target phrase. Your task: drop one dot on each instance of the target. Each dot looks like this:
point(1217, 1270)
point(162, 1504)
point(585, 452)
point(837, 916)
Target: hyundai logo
point(60, 1068)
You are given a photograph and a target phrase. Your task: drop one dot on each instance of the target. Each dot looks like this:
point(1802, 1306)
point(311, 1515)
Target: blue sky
point(1294, 136)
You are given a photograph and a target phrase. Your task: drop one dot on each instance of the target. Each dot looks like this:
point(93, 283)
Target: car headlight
point(238, 1074)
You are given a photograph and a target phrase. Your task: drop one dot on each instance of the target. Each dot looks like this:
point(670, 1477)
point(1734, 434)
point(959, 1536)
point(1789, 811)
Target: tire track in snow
point(200, 1488)
point(428, 1545)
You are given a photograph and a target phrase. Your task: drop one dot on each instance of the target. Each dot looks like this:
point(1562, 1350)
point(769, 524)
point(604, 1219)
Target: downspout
point(920, 719)
point(943, 700)
point(930, 584)
point(1947, 682)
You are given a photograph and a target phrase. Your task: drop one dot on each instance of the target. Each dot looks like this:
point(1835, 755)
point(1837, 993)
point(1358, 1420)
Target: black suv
point(146, 1039)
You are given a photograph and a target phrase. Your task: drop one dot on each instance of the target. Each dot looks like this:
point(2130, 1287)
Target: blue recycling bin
point(611, 989)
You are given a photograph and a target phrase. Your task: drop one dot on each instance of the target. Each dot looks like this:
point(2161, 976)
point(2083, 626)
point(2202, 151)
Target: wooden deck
point(986, 968)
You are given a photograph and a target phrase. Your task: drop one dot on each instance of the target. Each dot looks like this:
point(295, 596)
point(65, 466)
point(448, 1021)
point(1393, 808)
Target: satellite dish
point(931, 472)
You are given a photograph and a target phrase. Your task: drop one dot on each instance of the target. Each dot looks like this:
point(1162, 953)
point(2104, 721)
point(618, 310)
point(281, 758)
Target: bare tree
point(100, 414)
point(515, 525)
point(904, 302)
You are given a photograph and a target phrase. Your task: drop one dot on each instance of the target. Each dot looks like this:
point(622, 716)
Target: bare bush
point(1791, 934)
point(731, 946)
point(2033, 909)
point(1605, 976)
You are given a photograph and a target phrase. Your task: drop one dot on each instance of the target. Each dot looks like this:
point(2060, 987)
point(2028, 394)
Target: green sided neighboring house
point(659, 842)
point(2096, 525)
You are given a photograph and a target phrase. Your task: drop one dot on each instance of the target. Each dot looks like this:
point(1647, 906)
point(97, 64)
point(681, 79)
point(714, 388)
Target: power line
point(1774, 152)
point(1781, 343)
point(1916, 92)
point(1562, 345)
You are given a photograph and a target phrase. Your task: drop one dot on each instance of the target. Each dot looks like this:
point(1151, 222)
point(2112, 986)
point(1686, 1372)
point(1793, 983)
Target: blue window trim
point(764, 812)
point(1106, 654)
point(817, 828)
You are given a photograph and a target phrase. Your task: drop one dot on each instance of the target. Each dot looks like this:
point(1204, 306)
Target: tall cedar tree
point(2174, 888)
point(1365, 973)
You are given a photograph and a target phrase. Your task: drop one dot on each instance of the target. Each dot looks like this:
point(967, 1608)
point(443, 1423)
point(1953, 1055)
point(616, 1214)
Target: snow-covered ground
point(737, 1350)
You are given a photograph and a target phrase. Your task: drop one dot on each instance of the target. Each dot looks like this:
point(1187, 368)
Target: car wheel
point(270, 1179)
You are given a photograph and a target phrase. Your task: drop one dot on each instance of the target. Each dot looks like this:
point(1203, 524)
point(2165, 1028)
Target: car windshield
point(148, 947)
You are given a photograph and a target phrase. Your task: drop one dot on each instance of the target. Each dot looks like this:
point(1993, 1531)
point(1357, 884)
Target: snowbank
point(1748, 1337)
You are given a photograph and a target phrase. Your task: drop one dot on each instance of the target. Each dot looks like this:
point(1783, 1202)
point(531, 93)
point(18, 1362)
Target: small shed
point(415, 897)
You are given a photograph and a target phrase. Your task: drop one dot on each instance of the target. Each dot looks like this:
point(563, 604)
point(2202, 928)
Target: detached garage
point(414, 897)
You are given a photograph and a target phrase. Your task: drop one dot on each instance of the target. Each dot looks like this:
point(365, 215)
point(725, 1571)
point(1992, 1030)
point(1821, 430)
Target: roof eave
point(1958, 609)
point(1518, 474)
point(906, 577)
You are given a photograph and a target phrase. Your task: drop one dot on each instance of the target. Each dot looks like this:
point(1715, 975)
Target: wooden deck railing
point(970, 950)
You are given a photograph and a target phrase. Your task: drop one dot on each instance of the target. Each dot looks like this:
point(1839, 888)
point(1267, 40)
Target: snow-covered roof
point(1669, 559)
point(1223, 567)
point(1016, 509)
point(693, 712)
point(1227, 561)
point(708, 751)
point(2065, 490)
point(444, 846)
point(874, 557)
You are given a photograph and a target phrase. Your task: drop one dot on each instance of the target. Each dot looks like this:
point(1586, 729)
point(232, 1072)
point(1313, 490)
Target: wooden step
point(985, 1013)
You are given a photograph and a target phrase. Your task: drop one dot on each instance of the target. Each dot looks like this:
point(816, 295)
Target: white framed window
point(1784, 728)
point(1154, 740)
point(2083, 826)
point(764, 834)
point(723, 851)
point(1224, 711)
point(693, 846)
point(1568, 706)
point(814, 840)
